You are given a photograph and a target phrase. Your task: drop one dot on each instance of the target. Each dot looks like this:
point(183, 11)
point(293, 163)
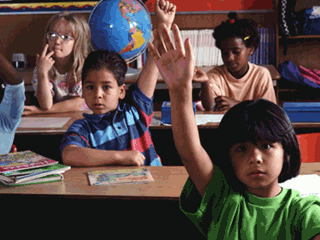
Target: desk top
point(168, 185)
point(157, 117)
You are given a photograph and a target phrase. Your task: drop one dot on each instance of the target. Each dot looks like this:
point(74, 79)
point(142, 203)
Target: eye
point(106, 87)
point(266, 146)
point(65, 37)
point(89, 87)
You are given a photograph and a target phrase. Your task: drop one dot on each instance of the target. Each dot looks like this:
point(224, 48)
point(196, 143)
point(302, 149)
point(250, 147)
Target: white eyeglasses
point(52, 36)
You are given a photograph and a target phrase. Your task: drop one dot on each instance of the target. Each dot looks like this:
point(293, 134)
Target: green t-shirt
point(225, 214)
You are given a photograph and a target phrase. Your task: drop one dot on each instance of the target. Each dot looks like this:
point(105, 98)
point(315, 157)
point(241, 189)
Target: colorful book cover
point(120, 176)
point(23, 160)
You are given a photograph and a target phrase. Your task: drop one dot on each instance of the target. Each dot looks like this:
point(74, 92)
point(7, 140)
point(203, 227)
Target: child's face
point(235, 56)
point(258, 166)
point(62, 48)
point(101, 91)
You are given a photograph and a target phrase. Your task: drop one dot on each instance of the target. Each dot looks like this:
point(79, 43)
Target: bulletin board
point(216, 5)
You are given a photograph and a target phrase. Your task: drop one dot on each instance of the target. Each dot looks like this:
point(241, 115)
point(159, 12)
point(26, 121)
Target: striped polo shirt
point(127, 128)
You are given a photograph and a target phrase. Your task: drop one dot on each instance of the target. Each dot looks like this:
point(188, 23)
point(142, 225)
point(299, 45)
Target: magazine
point(120, 176)
point(23, 160)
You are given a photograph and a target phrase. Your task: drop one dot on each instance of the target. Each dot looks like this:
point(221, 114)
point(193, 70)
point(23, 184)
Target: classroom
point(152, 211)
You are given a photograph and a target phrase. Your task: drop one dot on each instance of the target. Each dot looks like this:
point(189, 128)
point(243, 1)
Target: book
point(120, 176)
point(23, 160)
point(30, 174)
point(45, 179)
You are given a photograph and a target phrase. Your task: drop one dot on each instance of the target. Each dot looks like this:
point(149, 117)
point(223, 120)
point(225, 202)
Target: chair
point(309, 147)
point(13, 148)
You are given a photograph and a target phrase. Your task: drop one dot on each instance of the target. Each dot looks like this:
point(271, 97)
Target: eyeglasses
point(53, 36)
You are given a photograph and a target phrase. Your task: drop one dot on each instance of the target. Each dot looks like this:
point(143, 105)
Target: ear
point(251, 50)
point(122, 91)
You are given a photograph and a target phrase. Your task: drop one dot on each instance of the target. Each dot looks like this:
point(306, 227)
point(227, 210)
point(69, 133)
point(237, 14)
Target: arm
point(44, 64)
point(73, 155)
point(70, 105)
point(206, 95)
point(149, 75)
point(177, 68)
point(12, 104)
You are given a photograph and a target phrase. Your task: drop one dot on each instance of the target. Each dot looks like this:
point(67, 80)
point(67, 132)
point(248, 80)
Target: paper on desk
point(46, 122)
point(202, 119)
point(308, 184)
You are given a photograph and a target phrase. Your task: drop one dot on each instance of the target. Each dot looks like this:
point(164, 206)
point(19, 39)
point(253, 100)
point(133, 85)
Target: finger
point(177, 39)
point(50, 54)
point(37, 59)
point(165, 37)
point(153, 52)
point(165, 6)
point(45, 49)
point(189, 53)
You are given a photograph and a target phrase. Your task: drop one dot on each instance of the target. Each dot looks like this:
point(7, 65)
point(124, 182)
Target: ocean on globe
point(123, 26)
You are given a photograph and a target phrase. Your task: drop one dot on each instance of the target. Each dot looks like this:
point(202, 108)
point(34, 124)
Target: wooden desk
point(167, 185)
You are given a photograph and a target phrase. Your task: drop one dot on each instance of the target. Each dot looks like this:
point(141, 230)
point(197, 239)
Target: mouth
point(256, 173)
point(97, 105)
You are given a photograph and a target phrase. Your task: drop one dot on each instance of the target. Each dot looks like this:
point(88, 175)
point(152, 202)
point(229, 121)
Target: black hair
point(103, 59)
point(253, 121)
point(244, 29)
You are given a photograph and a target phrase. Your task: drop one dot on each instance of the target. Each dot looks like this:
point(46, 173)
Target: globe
point(123, 26)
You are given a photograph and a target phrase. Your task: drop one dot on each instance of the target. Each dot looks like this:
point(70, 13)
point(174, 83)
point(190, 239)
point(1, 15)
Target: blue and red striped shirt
point(125, 129)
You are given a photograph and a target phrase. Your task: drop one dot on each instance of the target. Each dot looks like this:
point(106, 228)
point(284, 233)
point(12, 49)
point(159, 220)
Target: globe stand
point(132, 72)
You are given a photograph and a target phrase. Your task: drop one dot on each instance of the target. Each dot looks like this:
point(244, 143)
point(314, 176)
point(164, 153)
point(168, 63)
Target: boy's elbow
point(69, 154)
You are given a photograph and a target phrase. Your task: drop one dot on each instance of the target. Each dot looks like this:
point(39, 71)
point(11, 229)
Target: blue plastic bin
point(302, 111)
point(166, 112)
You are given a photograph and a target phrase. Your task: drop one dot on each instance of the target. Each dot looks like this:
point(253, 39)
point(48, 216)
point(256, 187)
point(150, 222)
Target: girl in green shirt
point(235, 193)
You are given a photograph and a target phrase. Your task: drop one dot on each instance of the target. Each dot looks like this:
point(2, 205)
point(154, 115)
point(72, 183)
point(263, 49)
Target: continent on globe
point(136, 39)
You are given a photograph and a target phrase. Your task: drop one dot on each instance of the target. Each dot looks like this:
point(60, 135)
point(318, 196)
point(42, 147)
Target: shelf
point(300, 37)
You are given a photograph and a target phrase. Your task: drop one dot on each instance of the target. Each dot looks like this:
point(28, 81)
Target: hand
point(166, 12)
point(175, 65)
point(30, 110)
point(200, 76)
point(45, 61)
point(133, 157)
point(224, 103)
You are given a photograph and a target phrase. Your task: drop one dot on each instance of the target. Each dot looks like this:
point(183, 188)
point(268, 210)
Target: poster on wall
point(217, 5)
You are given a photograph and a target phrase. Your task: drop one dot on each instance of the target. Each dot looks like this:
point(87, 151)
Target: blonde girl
point(57, 75)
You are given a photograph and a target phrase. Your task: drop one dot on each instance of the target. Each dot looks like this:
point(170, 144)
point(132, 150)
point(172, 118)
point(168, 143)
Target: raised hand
point(175, 63)
point(165, 11)
point(45, 61)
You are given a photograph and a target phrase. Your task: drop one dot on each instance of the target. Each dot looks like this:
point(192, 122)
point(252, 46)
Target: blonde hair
point(82, 36)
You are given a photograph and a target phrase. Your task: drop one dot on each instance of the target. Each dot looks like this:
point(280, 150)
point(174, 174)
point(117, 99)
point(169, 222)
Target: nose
point(230, 57)
point(98, 93)
point(255, 156)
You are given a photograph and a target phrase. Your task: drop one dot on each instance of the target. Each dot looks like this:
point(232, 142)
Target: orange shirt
point(255, 84)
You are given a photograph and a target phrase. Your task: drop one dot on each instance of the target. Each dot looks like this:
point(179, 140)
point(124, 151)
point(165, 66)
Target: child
point(116, 133)
point(236, 194)
point(12, 104)
point(57, 76)
point(238, 79)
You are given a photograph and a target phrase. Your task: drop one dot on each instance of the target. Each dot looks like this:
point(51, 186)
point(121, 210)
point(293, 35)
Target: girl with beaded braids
point(238, 79)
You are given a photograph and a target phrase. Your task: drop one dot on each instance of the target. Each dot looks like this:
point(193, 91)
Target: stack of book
point(27, 167)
